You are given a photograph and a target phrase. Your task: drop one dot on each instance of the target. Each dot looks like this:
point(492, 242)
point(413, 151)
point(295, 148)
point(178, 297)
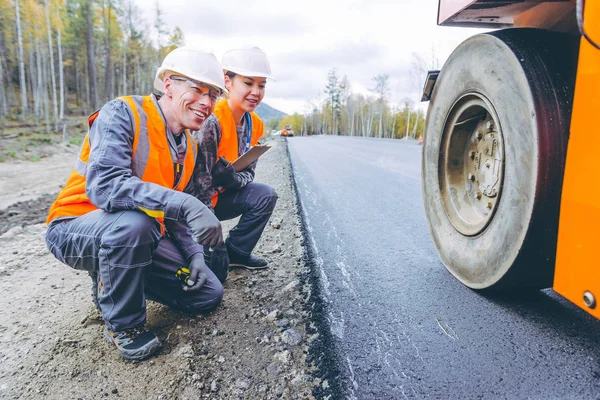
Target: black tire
point(493, 214)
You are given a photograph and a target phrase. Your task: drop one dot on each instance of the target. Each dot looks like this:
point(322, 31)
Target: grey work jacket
point(110, 184)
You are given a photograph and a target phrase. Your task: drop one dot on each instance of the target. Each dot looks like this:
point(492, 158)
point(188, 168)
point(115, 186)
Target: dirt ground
point(254, 346)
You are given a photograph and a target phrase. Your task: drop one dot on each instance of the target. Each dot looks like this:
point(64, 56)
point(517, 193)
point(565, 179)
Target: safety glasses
point(199, 88)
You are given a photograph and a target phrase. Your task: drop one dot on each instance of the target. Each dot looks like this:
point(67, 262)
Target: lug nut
point(589, 300)
point(472, 155)
point(489, 205)
point(478, 195)
point(471, 177)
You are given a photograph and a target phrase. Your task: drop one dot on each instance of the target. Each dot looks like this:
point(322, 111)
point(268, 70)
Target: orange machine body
point(577, 272)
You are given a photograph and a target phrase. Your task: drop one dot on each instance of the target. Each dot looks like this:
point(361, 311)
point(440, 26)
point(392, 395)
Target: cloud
point(233, 19)
point(304, 40)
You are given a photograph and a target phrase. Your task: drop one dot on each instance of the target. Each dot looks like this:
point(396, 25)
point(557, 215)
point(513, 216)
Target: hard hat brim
point(250, 74)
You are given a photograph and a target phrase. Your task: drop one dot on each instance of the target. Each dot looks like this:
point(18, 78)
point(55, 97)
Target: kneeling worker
point(123, 215)
point(227, 134)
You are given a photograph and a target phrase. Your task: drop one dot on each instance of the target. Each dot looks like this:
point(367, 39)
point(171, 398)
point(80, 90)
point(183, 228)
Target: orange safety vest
point(149, 141)
point(229, 144)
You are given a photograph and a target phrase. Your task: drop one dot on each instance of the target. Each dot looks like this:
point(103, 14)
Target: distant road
point(404, 327)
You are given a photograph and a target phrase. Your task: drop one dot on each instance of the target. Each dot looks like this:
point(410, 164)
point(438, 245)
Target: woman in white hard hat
point(127, 188)
point(227, 134)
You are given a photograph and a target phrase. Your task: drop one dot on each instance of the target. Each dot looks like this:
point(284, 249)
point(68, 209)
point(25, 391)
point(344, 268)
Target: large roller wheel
point(493, 156)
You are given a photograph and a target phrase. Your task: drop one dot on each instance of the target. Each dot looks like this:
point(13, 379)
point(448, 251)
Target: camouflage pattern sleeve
point(246, 175)
point(208, 138)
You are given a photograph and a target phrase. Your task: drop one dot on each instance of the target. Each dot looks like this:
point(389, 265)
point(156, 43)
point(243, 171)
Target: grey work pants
point(255, 202)
point(134, 263)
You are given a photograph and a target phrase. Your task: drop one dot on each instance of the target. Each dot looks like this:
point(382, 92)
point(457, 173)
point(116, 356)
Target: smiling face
point(191, 103)
point(245, 92)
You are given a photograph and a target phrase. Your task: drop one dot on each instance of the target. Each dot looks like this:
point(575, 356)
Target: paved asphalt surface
point(403, 327)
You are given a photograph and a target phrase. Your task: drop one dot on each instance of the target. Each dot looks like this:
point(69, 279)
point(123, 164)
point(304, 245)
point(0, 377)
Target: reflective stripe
point(141, 143)
point(81, 167)
point(194, 145)
point(153, 213)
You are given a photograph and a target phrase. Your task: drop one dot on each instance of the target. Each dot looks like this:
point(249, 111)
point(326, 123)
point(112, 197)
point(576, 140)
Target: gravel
point(254, 346)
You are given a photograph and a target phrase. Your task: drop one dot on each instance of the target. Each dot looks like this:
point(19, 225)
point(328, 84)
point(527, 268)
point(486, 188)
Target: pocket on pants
point(67, 250)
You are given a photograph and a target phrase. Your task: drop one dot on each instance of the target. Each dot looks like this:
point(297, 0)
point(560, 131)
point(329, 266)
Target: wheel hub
point(471, 164)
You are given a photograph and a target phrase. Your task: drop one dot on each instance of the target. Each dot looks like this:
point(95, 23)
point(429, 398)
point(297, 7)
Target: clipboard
point(249, 157)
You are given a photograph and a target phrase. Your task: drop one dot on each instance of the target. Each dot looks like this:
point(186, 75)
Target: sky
point(305, 39)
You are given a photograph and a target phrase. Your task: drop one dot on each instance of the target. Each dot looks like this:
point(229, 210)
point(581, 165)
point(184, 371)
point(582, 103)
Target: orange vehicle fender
point(577, 273)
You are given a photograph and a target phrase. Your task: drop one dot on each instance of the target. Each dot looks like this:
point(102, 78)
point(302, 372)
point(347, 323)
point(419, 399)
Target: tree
point(332, 89)
point(108, 70)
point(160, 31)
point(21, 62)
point(91, 56)
point(61, 74)
point(176, 39)
point(52, 72)
point(418, 72)
point(344, 97)
point(381, 88)
point(3, 106)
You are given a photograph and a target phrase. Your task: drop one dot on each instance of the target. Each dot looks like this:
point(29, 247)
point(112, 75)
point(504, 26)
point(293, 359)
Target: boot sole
point(138, 354)
point(248, 267)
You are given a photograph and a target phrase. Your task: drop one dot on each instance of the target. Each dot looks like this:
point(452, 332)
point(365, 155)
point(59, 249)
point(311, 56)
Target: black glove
point(223, 173)
point(206, 228)
point(198, 273)
point(217, 260)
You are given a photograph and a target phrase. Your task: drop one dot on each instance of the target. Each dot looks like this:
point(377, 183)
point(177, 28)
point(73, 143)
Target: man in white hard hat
point(227, 134)
point(123, 215)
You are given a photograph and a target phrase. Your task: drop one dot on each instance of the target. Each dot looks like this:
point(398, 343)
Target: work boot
point(250, 262)
point(133, 343)
point(94, 276)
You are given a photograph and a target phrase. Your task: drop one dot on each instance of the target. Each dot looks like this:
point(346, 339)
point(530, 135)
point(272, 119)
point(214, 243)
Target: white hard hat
point(250, 61)
point(192, 63)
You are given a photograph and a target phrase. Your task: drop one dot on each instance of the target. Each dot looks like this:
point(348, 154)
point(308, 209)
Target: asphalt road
point(403, 327)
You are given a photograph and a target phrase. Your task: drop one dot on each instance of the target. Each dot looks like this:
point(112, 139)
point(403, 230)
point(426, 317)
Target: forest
point(65, 58)
point(60, 60)
point(340, 111)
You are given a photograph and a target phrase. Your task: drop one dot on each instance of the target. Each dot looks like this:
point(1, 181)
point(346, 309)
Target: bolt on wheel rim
point(471, 164)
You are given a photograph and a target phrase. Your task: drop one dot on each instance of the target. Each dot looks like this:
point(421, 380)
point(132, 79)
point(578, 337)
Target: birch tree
point(4, 80)
point(381, 88)
point(3, 106)
point(108, 71)
point(52, 72)
point(61, 74)
point(21, 62)
point(417, 73)
point(91, 57)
